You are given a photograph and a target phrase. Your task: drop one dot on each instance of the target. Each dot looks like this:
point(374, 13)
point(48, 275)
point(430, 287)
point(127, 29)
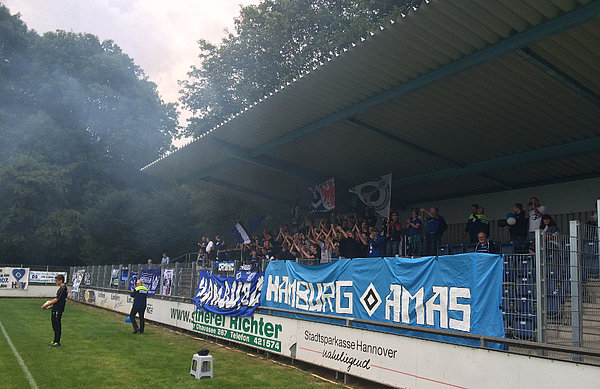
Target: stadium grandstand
point(463, 102)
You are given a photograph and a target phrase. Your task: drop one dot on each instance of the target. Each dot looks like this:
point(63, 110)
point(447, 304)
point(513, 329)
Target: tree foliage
point(78, 119)
point(274, 42)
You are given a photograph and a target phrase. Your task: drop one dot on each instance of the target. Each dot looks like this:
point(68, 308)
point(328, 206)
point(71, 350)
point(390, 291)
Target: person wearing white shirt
point(209, 248)
point(534, 213)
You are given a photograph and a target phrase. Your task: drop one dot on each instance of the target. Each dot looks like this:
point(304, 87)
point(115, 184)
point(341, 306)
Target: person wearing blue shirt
point(433, 236)
point(414, 233)
point(140, 296)
point(165, 259)
point(375, 242)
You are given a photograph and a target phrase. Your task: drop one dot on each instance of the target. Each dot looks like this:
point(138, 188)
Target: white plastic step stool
point(202, 366)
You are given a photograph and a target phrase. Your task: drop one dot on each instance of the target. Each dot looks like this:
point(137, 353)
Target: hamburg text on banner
point(231, 296)
point(454, 292)
point(376, 194)
point(323, 196)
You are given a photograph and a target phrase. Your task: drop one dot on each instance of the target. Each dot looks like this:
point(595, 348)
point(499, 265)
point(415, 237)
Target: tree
point(274, 42)
point(78, 119)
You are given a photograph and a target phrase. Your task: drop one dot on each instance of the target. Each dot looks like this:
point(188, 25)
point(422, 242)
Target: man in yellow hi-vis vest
point(140, 295)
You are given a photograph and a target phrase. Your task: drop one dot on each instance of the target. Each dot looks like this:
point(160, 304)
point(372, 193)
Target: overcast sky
point(160, 35)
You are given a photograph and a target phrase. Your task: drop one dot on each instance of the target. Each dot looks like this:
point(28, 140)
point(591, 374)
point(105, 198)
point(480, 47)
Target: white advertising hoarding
point(45, 277)
point(406, 362)
point(270, 333)
point(14, 278)
point(398, 361)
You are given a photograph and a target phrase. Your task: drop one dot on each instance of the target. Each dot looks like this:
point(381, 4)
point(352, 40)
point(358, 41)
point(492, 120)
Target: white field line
point(19, 359)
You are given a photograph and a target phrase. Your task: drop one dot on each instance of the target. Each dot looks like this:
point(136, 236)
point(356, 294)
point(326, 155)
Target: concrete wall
point(400, 361)
point(568, 197)
point(41, 291)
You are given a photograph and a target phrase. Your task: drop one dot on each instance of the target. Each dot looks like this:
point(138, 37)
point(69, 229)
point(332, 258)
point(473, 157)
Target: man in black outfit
point(140, 295)
point(58, 307)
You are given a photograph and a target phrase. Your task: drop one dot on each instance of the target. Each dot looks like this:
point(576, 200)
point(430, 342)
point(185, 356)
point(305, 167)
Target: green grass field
point(99, 351)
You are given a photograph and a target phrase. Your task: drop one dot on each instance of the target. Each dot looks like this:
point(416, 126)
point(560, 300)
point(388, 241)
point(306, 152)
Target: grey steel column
point(575, 273)
point(540, 276)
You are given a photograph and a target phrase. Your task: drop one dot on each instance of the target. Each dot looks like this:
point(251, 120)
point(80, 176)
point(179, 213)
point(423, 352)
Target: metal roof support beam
point(242, 154)
point(277, 165)
point(554, 72)
point(246, 191)
point(200, 174)
point(571, 19)
point(501, 184)
point(402, 141)
point(482, 192)
point(542, 154)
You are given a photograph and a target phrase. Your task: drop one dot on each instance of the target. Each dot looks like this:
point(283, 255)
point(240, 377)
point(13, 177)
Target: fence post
point(177, 280)
point(193, 276)
point(575, 270)
point(540, 285)
point(597, 246)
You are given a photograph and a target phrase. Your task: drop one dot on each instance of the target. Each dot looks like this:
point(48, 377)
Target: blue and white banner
point(151, 280)
point(231, 296)
point(240, 234)
point(45, 277)
point(77, 278)
point(452, 292)
point(226, 266)
point(124, 271)
point(167, 285)
point(133, 280)
point(14, 278)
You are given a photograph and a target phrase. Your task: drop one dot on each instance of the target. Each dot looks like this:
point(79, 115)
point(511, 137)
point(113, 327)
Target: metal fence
point(185, 274)
point(551, 295)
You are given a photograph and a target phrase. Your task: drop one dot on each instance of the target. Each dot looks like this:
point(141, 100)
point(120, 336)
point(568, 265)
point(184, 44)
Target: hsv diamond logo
point(370, 300)
point(18, 274)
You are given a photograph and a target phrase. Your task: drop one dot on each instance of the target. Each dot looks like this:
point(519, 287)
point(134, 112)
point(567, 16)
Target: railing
point(551, 296)
point(587, 355)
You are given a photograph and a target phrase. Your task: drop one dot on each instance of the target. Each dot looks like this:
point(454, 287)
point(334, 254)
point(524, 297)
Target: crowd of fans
point(359, 236)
